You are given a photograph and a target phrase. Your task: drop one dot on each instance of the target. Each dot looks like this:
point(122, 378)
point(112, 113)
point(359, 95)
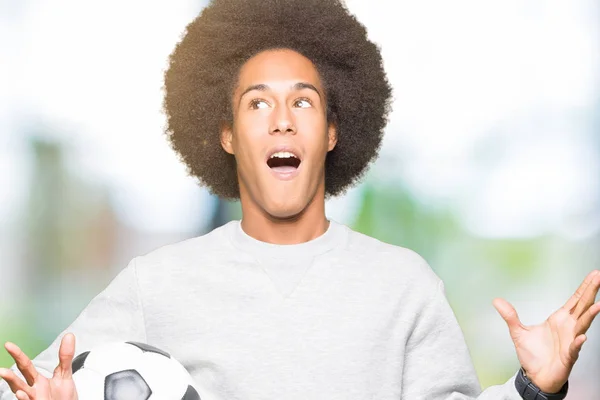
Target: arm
point(113, 315)
point(437, 363)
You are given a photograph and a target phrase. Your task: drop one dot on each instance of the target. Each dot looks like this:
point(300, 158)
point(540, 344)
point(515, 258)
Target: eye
point(303, 103)
point(257, 104)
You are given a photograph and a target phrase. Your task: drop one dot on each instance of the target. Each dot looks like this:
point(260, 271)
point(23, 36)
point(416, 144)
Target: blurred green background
point(490, 168)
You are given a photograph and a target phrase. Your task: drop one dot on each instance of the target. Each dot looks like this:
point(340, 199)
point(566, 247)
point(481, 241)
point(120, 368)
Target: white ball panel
point(183, 372)
point(113, 357)
point(89, 384)
point(167, 378)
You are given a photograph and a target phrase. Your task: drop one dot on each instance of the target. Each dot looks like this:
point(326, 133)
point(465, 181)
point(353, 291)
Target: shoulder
point(189, 251)
point(397, 262)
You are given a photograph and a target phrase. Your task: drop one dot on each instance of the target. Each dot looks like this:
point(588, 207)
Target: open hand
point(548, 351)
point(37, 387)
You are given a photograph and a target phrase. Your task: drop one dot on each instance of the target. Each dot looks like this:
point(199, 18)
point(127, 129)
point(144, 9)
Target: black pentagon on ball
point(127, 384)
point(151, 349)
point(78, 361)
point(191, 394)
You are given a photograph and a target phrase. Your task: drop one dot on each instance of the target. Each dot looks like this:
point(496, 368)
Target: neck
point(307, 225)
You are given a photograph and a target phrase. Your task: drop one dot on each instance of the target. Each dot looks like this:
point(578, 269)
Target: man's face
point(280, 136)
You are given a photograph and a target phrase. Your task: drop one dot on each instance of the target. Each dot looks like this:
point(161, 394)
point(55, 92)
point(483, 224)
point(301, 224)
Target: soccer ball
point(131, 371)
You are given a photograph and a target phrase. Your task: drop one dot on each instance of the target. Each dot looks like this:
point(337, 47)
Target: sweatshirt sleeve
point(114, 315)
point(437, 363)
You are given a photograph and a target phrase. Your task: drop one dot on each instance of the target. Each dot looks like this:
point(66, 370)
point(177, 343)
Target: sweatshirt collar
point(334, 236)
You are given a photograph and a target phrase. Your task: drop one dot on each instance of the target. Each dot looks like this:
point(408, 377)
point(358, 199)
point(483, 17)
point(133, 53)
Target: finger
point(585, 321)
point(65, 356)
point(14, 382)
point(572, 302)
point(21, 395)
point(588, 297)
point(509, 314)
point(23, 362)
point(575, 347)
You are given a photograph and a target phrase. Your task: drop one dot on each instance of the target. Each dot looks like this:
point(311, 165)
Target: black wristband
point(529, 391)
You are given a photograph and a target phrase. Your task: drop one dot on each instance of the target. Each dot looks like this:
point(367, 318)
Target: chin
point(286, 211)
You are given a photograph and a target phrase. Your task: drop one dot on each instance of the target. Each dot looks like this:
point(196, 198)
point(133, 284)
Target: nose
point(283, 121)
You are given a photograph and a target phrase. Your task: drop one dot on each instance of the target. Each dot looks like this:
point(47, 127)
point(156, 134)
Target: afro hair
point(204, 67)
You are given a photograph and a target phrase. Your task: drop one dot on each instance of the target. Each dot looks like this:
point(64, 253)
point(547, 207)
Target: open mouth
point(283, 162)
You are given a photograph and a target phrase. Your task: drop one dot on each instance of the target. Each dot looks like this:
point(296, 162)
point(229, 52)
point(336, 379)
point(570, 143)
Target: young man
point(283, 103)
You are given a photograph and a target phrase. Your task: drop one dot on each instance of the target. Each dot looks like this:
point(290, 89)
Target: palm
point(543, 350)
point(548, 351)
point(55, 388)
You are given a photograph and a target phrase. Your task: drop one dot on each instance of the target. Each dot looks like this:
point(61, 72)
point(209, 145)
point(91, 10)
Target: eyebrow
point(263, 88)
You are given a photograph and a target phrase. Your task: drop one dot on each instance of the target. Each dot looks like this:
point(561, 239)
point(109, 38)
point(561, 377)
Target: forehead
point(280, 65)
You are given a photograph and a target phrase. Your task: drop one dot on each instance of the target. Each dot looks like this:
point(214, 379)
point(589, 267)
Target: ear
point(332, 136)
point(227, 138)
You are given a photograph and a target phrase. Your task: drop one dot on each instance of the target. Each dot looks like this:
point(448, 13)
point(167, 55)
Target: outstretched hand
point(37, 387)
point(547, 352)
